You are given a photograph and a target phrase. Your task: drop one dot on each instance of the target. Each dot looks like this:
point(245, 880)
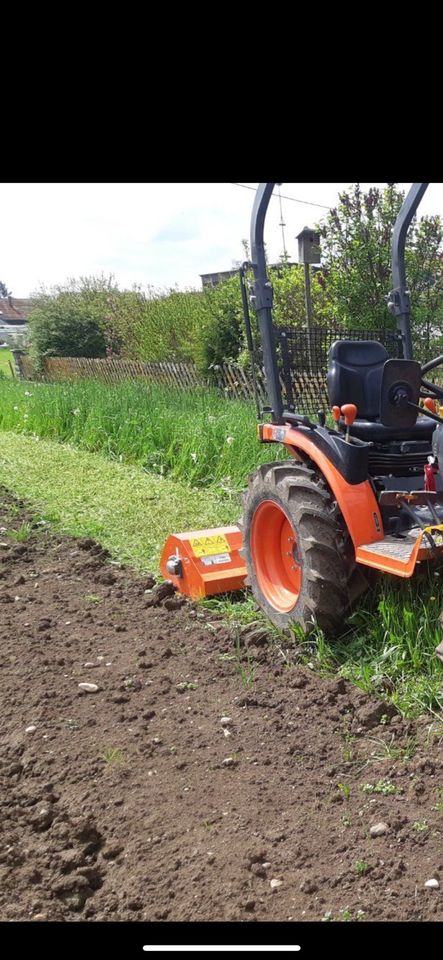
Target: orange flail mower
point(204, 562)
point(364, 490)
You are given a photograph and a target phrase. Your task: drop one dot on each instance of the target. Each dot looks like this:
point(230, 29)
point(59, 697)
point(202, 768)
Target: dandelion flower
point(229, 440)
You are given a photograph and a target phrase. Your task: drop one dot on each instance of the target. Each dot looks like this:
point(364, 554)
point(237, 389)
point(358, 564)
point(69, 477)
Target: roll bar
point(398, 301)
point(261, 298)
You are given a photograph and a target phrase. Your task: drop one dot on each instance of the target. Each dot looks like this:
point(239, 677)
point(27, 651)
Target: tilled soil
point(197, 782)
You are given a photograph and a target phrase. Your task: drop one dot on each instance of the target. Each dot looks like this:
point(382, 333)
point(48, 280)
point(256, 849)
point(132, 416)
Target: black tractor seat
point(355, 371)
point(377, 432)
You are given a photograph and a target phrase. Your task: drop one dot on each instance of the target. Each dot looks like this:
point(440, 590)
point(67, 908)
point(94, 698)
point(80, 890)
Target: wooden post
point(308, 306)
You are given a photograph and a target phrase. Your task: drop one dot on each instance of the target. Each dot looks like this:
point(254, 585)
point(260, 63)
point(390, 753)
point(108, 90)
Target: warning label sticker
point(210, 545)
point(217, 558)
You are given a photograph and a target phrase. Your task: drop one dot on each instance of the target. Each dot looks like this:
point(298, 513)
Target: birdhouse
point(308, 246)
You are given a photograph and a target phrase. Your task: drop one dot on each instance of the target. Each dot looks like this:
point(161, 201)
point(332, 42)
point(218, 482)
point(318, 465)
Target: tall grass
point(387, 646)
point(196, 436)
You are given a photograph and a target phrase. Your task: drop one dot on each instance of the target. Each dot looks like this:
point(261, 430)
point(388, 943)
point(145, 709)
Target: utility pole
point(282, 225)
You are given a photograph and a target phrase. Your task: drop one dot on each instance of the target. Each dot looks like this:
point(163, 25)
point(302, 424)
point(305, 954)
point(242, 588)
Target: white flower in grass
point(194, 457)
point(76, 411)
point(25, 416)
point(229, 440)
point(212, 419)
point(15, 408)
point(27, 394)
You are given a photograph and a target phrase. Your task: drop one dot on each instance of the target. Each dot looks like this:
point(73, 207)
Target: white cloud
point(149, 233)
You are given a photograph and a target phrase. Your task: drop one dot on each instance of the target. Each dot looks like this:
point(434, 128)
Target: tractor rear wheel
point(296, 548)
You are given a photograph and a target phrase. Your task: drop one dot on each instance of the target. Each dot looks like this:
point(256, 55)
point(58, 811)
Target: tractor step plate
point(391, 547)
point(399, 556)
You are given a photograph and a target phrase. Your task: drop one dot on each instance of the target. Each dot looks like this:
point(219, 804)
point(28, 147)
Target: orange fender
point(357, 501)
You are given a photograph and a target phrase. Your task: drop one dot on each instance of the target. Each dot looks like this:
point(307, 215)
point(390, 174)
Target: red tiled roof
point(13, 310)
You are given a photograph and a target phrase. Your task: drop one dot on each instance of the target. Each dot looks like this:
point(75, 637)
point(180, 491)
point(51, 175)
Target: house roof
point(13, 310)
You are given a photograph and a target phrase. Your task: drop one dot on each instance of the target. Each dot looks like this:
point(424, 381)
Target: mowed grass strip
point(126, 509)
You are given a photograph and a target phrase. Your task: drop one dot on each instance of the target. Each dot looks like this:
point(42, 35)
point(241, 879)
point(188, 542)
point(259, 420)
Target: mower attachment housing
point(202, 563)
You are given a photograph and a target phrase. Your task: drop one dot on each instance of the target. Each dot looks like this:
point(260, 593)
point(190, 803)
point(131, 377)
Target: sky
point(152, 234)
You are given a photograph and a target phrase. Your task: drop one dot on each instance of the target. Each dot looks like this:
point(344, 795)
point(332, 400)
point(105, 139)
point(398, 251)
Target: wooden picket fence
point(233, 380)
point(110, 370)
point(229, 377)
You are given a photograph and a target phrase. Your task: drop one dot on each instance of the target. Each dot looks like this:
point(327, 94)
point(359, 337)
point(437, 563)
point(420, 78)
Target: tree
point(288, 285)
point(4, 292)
point(356, 253)
point(69, 320)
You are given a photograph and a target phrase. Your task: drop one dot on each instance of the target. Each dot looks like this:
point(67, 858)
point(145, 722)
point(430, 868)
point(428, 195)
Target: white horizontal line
point(245, 948)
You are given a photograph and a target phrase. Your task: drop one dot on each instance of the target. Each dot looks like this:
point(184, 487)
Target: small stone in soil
point(225, 721)
point(274, 883)
point(88, 687)
point(378, 829)
point(229, 762)
point(30, 729)
point(432, 884)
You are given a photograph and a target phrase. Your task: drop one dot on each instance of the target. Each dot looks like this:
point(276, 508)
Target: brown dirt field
point(137, 802)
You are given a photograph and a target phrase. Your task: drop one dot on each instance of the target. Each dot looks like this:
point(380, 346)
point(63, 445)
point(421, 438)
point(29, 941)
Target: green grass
point(113, 755)
point(23, 533)
point(196, 436)
point(388, 643)
point(127, 510)
point(6, 359)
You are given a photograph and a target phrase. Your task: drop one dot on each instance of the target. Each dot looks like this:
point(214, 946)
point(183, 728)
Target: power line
point(294, 199)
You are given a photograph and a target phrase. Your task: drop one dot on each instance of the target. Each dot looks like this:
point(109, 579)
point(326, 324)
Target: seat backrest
point(355, 370)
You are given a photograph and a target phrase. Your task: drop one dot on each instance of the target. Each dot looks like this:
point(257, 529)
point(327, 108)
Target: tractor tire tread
point(327, 562)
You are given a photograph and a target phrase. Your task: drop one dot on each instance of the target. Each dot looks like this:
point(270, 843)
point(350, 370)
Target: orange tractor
point(364, 493)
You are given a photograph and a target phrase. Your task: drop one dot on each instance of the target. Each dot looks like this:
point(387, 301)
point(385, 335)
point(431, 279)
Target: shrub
point(69, 320)
point(159, 325)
